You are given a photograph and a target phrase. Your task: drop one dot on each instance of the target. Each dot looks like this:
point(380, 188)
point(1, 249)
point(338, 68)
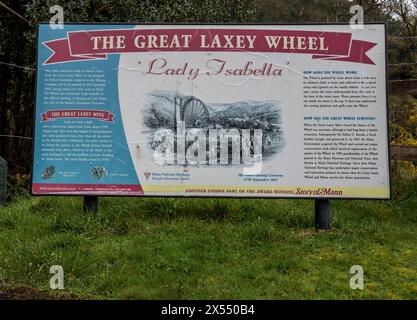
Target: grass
point(212, 249)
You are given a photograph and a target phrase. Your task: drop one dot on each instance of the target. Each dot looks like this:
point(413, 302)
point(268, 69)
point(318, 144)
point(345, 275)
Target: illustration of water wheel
point(195, 114)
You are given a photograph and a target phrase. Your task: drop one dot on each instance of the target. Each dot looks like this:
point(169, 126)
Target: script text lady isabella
point(213, 67)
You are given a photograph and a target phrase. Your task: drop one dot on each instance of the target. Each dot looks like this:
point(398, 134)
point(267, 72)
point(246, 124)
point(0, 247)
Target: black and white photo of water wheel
point(195, 114)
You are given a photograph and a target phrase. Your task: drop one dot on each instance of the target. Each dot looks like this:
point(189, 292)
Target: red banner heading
point(96, 44)
point(94, 114)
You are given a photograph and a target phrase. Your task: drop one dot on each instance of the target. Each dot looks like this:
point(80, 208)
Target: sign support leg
point(90, 205)
point(3, 181)
point(323, 214)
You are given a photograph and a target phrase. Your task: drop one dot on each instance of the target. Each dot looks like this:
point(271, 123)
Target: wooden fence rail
point(403, 87)
point(406, 153)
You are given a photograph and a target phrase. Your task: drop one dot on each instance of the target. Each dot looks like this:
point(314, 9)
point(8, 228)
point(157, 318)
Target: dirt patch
point(24, 293)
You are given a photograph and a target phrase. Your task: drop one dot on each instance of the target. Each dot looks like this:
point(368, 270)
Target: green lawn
point(212, 249)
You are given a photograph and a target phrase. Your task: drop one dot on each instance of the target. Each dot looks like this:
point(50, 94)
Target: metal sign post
point(3, 180)
point(323, 214)
point(90, 205)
